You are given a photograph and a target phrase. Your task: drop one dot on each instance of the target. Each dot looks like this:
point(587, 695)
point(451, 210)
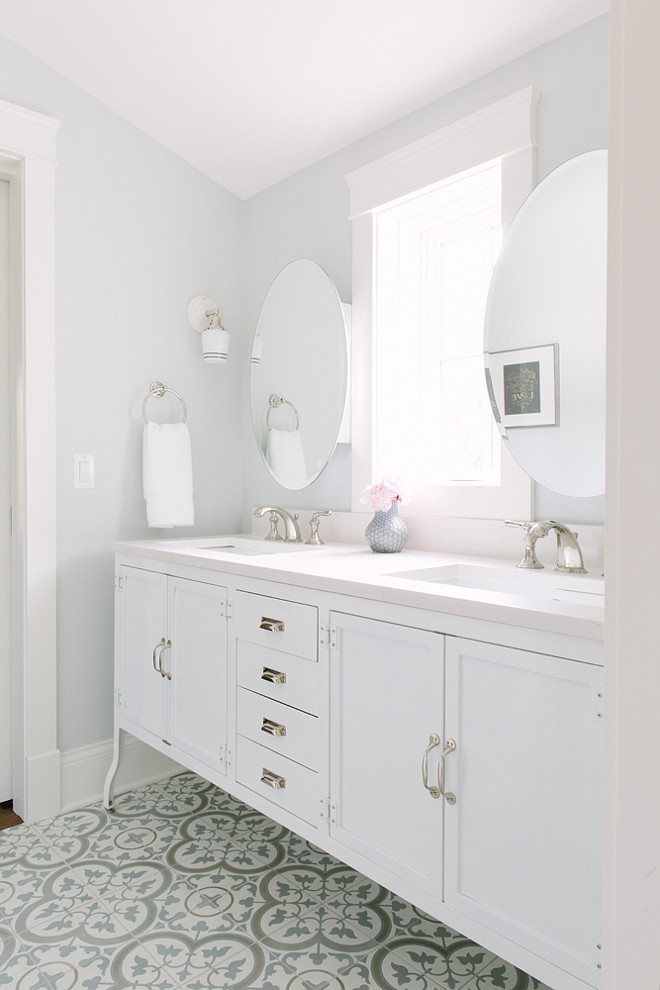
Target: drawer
point(279, 676)
point(277, 624)
point(298, 790)
point(282, 729)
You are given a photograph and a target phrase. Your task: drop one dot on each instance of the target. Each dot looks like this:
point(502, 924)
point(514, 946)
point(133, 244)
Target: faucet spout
point(569, 555)
point(291, 529)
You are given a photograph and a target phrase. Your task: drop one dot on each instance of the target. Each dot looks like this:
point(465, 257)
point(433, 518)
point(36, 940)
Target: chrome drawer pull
point(273, 779)
point(271, 625)
point(434, 741)
point(272, 728)
point(274, 676)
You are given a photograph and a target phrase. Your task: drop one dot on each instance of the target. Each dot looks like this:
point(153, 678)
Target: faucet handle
point(521, 525)
point(273, 532)
point(314, 538)
point(529, 561)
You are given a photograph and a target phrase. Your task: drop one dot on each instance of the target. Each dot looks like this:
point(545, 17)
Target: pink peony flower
point(381, 494)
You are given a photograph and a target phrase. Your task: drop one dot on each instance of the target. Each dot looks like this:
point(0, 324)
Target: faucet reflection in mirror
point(204, 317)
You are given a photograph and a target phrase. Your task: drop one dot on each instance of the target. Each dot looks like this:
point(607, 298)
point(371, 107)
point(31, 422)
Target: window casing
point(412, 246)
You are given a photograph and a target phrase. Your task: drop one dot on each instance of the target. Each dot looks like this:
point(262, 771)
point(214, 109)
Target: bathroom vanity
point(435, 722)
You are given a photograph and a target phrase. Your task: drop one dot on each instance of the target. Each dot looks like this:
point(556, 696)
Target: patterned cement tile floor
point(185, 887)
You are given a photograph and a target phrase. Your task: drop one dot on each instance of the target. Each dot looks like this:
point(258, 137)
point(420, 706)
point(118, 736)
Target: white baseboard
point(42, 793)
point(83, 770)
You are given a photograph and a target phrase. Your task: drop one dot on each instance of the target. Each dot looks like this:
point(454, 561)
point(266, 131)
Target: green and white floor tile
point(185, 887)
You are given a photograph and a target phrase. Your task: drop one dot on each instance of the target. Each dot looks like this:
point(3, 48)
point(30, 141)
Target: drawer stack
point(278, 742)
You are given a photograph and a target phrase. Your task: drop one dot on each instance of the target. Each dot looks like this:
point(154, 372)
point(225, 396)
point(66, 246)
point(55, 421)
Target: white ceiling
point(250, 91)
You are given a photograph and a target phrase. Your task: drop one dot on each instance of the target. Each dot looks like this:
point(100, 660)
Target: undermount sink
point(244, 546)
point(529, 584)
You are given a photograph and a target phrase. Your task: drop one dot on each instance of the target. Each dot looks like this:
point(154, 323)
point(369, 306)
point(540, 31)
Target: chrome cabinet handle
point(156, 664)
point(157, 661)
point(274, 676)
point(434, 741)
point(450, 746)
point(271, 625)
point(273, 728)
point(164, 673)
point(273, 779)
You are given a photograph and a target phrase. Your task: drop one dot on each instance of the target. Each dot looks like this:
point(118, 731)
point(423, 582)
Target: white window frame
point(505, 130)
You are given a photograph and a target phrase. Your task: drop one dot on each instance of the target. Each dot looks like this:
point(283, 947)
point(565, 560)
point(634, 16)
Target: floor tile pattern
point(186, 888)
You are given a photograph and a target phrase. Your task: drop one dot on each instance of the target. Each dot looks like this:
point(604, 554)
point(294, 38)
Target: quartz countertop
point(570, 604)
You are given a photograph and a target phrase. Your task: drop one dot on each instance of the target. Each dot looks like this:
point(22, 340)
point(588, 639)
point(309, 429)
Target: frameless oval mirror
point(545, 330)
point(298, 374)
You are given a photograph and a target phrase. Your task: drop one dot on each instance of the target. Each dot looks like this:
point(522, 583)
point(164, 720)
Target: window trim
point(505, 129)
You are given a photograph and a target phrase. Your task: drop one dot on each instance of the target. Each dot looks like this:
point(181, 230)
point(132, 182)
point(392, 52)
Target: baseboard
point(83, 770)
point(42, 793)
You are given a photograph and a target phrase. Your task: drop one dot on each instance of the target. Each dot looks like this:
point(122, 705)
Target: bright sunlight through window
point(434, 258)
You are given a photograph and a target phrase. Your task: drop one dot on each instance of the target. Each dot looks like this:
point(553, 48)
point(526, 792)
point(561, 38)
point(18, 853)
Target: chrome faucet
point(569, 555)
point(291, 528)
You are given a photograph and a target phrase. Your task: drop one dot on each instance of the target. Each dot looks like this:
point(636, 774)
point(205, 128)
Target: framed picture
point(523, 386)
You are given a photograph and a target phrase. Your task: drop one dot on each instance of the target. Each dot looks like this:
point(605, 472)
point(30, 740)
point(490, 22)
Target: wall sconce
point(204, 317)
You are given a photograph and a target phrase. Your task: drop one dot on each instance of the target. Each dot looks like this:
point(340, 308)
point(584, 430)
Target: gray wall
point(306, 216)
point(138, 232)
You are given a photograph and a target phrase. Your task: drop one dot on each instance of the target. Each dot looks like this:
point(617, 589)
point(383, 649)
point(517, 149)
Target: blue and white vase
point(387, 533)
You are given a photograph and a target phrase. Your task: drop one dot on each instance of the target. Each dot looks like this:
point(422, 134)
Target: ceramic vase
point(387, 533)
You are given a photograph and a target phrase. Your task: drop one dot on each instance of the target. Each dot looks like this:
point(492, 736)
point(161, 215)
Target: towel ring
point(159, 390)
point(274, 402)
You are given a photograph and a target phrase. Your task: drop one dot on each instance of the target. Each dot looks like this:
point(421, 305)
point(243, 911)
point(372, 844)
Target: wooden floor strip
point(8, 817)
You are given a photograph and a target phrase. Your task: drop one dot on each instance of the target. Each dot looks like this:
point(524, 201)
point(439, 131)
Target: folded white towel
point(167, 475)
point(286, 458)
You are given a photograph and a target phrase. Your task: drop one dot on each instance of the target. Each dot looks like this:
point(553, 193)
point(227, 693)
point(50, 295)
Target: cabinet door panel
point(142, 625)
point(523, 839)
point(198, 658)
point(386, 699)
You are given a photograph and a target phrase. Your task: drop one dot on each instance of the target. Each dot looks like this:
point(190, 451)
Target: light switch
point(83, 470)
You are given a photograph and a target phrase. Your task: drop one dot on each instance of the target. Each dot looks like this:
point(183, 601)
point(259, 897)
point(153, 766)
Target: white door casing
point(27, 159)
point(5, 507)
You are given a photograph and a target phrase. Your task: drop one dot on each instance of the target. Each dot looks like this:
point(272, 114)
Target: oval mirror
point(298, 375)
point(545, 330)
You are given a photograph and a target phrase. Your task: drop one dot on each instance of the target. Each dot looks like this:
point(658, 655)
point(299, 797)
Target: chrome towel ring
point(274, 402)
point(158, 390)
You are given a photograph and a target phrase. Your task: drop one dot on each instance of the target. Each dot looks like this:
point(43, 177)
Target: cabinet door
point(523, 841)
point(386, 700)
point(141, 626)
point(197, 662)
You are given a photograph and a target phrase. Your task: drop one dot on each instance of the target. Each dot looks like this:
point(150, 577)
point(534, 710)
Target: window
point(423, 256)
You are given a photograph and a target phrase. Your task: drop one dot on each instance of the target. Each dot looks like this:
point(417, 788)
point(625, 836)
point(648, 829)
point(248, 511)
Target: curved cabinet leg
point(108, 790)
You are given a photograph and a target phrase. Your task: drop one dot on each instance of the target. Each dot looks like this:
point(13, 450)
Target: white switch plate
point(83, 470)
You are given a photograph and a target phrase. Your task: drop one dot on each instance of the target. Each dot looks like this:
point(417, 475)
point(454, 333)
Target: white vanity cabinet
point(452, 757)
point(473, 772)
point(171, 664)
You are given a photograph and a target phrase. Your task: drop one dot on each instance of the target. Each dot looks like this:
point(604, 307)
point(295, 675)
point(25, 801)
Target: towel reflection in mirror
point(284, 450)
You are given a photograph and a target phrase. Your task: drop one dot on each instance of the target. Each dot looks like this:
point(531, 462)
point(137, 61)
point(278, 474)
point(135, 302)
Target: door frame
point(27, 160)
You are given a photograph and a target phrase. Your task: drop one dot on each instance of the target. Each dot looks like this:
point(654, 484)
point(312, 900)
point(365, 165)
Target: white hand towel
point(167, 475)
point(286, 457)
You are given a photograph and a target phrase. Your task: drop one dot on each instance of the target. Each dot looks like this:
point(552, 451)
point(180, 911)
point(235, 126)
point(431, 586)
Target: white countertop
point(355, 570)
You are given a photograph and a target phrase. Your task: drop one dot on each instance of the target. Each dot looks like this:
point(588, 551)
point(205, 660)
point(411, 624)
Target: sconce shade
point(215, 345)
point(203, 316)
